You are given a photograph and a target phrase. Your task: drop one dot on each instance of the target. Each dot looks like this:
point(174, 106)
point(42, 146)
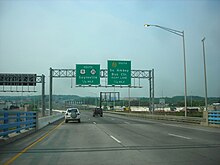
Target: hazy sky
point(38, 34)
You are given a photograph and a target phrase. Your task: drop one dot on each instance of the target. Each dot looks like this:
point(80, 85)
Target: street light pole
point(179, 33)
point(206, 102)
point(184, 56)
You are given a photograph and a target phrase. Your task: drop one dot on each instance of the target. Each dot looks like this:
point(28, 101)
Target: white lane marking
point(126, 122)
point(115, 139)
point(184, 137)
point(94, 122)
point(112, 119)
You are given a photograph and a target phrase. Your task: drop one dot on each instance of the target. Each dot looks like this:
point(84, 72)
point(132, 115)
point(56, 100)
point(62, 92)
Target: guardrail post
point(5, 122)
point(36, 119)
point(30, 118)
point(18, 122)
point(27, 120)
point(33, 119)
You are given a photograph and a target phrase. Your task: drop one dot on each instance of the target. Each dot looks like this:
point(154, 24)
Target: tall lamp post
point(179, 33)
point(206, 102)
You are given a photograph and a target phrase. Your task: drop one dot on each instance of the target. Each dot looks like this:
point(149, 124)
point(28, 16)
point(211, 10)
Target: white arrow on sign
point(93, 71)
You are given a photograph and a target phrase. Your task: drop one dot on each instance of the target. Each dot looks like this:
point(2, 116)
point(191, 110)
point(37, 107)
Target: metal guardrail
point(214, 117)
point(15, 121)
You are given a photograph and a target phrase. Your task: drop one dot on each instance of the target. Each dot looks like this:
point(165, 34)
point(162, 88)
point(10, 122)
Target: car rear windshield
point(72, 110)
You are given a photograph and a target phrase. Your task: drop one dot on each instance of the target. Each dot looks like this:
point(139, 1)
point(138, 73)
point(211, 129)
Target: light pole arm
point(177, 32)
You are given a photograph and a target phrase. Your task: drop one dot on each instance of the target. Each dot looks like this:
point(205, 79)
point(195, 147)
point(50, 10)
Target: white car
point(72, 114)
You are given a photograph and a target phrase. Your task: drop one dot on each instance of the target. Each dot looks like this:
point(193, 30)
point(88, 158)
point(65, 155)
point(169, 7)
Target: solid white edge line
point(179, 136)
point(115, 139)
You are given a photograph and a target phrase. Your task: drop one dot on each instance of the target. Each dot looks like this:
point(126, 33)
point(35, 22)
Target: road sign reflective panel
point(87, 74)
point(119, 72)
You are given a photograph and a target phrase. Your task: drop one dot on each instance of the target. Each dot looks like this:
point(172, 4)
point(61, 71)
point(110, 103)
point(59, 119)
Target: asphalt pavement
point(115, 139)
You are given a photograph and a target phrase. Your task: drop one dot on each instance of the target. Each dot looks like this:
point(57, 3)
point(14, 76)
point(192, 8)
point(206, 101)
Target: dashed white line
point(179, 136)
point(115, 139)
point(94, 122)
point(126, 122)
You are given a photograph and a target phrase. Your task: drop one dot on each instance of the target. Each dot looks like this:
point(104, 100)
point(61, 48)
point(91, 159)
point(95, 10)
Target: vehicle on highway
point(97, 111)
point(72, 114)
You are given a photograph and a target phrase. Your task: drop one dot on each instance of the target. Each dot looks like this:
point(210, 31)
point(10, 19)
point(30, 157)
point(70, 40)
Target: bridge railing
point(214, 117)
point(15, 121)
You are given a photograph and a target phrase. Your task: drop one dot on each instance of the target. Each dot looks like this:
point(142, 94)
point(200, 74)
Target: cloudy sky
point(38, 34)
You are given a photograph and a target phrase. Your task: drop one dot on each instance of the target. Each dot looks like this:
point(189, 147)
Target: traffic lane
point(173, 147)
point(165, 122)
point(154, 138)
point(9, 150)
point(190, 131)
point(92, 150)
point(12, 149)
point(79, 143)
point(195, 135)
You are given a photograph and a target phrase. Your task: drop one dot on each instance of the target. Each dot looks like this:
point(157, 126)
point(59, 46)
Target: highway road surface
point(115, 139)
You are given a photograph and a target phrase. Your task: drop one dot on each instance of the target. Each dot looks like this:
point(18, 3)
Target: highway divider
point(44, 121)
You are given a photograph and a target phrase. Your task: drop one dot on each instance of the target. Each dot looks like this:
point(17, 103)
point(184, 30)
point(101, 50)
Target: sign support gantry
point(135, 75)
point(8, 81)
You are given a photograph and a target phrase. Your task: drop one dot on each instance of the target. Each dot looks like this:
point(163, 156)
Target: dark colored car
point(97, 111)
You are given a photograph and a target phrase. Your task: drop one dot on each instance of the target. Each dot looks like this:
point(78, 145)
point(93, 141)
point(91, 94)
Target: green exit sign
point(119, 72)
point(87, 74)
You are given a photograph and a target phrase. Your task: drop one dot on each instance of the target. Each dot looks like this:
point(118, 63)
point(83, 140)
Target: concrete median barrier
point(195, 120)
point(44, 121)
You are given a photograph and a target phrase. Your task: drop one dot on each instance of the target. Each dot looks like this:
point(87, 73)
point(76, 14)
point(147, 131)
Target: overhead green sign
point(119, 72)
point(87, 74)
